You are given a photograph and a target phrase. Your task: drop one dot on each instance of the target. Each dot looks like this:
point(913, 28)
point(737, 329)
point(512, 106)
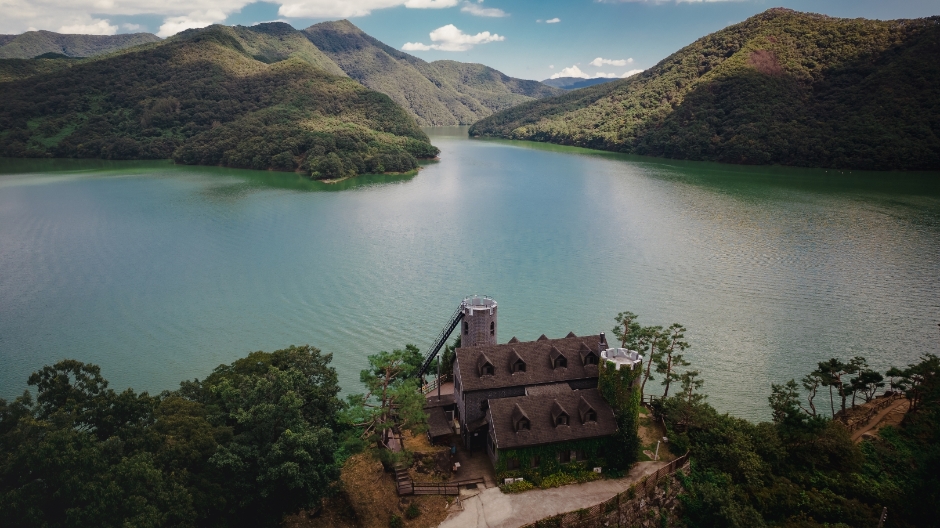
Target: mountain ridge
point(436, 93)
point(782, 87)
point(34, 43)
point(205, 97)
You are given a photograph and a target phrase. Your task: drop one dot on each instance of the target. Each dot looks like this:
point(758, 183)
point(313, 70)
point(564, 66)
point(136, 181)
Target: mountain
point(573, 83)
point(34, 43)
point(781, 87)
point(436, 93)
point(261, 97)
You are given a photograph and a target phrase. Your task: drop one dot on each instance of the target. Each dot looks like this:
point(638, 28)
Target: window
point(578, 455)
point(562, 419)
point(484, 405)
point(518, 366)
point(492, 327)
point(523, 425)
point(564, 457)
point(466, 328)
point(590, 416)
point(561, 362)
point(512, 463)
point(590, 359)
point(487, 370)
point(536, 461)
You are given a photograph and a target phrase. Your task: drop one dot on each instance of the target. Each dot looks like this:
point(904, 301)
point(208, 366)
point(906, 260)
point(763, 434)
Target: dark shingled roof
point(539, 410)
point(437, 423)
point(538, 359)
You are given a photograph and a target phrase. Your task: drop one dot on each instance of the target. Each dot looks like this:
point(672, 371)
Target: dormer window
point(558, 359)
point(588, 356)
point(587, 412)
point(484, 366)
point(520, 421)
point(559, 415)
point(590, 359)
point(516, 363)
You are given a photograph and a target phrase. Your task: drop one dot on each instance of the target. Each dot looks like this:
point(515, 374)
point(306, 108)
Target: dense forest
point(436, 93)
point(261, 98)
point(802, 469)
point(36, 43)
point(254, 440)
point(782, 88)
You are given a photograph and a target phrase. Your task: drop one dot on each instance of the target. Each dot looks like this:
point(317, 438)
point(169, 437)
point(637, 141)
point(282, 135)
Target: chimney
point(602, 344)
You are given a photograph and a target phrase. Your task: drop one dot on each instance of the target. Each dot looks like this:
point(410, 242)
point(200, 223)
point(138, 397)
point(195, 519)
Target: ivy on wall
point(618, 388)
point(594, 450)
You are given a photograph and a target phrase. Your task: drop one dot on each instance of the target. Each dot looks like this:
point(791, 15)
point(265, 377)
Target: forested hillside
point(782, 87)
point(573, 83)
point(34, 43)
point(259, 97)
point(436, 93)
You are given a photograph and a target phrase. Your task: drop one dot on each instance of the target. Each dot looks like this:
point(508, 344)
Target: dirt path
point(901, 406)
point(494, 509)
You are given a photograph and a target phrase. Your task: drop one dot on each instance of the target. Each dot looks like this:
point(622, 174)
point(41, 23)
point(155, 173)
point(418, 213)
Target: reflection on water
point(160, 272)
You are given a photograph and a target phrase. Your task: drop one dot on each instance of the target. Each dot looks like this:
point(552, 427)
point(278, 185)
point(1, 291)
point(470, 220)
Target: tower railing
point(439, 341)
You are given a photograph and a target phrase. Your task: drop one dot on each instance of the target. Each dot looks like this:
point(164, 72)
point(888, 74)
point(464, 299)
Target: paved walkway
point(900, 406)
point(493, 509)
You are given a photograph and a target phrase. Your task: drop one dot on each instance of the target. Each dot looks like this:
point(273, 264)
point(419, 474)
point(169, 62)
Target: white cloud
point(663, 1)
point(352, 8)
point(449, 38)
point(91, 27)
point(131, 27)
point(631, 73)
point(478, 10)
point(553, 20)
point(571, 71)
point(611, 62)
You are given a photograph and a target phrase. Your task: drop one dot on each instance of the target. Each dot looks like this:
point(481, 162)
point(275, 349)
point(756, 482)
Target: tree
point(393, 398)
point(627, 329)
point(831, 373)
point(868, 382)
point(649, 341)
point(672, 345)
point(912, 379)
point(811, 382)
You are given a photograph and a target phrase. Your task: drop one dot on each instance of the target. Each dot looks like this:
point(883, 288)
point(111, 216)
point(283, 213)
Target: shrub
point(412, 512)
point(395, 522)
point(517, 487)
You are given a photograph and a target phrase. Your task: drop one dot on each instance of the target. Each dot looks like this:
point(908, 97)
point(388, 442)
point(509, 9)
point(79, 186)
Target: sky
point(530, 39)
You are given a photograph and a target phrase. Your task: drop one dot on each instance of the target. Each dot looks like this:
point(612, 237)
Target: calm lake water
point(159, 273)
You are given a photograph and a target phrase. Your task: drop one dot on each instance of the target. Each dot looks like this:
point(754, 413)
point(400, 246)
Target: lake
point(159, 273)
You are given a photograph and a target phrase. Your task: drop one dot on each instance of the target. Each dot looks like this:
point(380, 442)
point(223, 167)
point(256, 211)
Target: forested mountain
point(779, 88)
point(35, 43)
point(258, 97)
point(573, 83)
point(436, 93)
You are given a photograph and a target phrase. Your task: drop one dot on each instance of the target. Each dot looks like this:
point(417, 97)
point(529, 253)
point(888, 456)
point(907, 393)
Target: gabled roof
point(571, 334)
point(542, 423)
point(558, 410)
point(517, 416)
point(513, 340)
point(554, 354)
point(542, 338)
point(584, 351)
point(536, 354)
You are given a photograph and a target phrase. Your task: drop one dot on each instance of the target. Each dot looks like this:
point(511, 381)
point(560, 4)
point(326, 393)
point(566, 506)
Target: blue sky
point(523, 38)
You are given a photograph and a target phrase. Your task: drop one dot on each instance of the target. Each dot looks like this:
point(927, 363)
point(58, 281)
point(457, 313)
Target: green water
point(159, 273)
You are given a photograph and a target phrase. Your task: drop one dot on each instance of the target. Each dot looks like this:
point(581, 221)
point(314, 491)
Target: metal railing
point(432, 386)
point(439, 341)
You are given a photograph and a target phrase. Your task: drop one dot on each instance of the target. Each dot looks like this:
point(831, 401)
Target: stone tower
point(479, 322)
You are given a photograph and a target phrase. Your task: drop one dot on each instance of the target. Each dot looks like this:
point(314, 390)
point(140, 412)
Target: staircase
point(403, 481)
point(440, 340)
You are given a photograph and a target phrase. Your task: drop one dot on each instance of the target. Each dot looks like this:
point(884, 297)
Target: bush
point(517, 487)
point(412, 512)
point(395, 522)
